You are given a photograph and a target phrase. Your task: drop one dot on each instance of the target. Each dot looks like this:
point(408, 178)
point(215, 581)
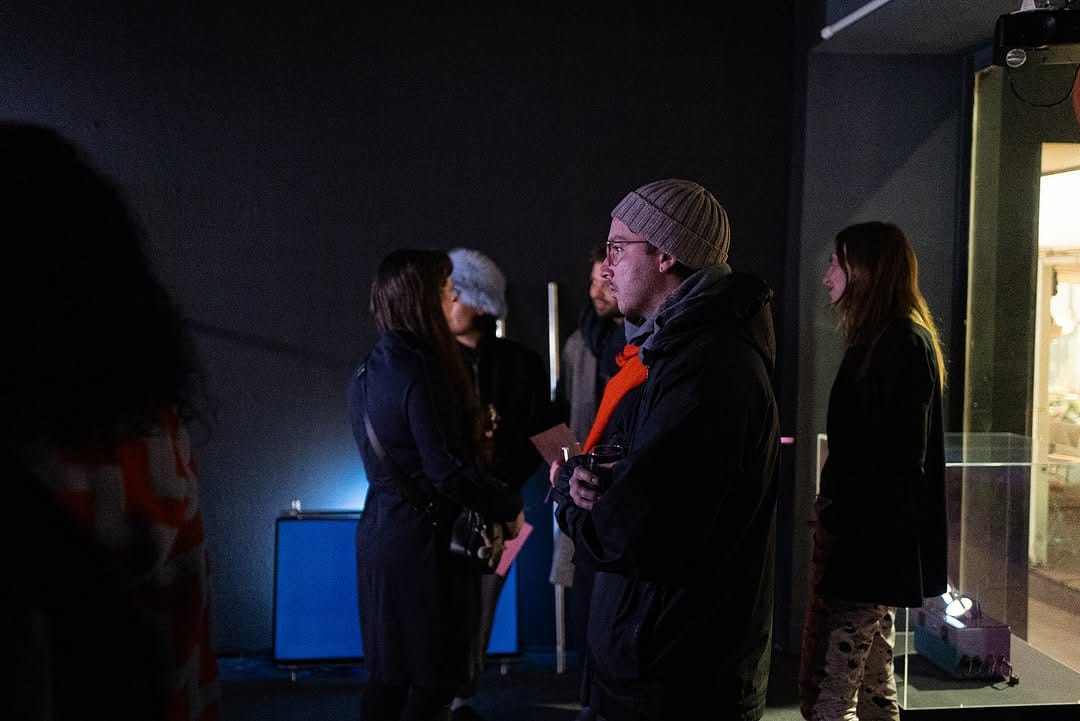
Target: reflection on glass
point(1014, 474)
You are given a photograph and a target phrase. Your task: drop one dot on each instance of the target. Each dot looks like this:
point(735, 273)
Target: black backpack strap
point(405, 483)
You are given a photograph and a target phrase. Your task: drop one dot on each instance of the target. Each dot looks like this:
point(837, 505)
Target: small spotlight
point(1015, 57)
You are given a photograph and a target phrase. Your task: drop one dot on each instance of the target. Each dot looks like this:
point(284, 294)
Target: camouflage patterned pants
point(846, 668)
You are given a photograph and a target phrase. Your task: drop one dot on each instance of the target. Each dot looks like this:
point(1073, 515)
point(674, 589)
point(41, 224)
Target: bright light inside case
point(959, 606)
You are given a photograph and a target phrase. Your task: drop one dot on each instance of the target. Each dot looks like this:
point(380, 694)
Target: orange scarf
point(632, 373)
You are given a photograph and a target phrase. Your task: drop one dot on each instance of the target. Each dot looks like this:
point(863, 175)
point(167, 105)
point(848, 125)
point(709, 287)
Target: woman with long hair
point(110, 582)
point(418, 427)
point(880, 537)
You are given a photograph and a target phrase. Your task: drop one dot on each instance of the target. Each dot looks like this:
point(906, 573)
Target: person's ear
point(667, 261)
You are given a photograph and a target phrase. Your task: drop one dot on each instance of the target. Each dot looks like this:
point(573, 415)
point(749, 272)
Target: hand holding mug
point(514, 527)
point(590, 480)
point(553, 471)
point(600, 462)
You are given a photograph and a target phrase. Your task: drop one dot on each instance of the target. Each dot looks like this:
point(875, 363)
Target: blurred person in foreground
point(108, 584)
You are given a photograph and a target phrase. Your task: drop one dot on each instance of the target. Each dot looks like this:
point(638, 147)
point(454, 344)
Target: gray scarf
point(640, 332)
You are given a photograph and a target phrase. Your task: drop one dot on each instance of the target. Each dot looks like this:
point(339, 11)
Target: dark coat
point(683, 541)
point(415, 601)
point(511, 378)
point(885, 473)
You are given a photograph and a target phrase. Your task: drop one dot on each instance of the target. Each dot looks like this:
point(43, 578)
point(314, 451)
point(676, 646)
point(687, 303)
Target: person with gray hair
point(510, 382)
point(681, 537)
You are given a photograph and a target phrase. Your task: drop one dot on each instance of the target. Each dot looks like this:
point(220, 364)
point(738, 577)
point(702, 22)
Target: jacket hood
point(714, 297)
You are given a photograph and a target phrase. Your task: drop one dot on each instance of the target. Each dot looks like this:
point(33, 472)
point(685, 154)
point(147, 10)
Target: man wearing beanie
point(511, 383)
point(681, 541)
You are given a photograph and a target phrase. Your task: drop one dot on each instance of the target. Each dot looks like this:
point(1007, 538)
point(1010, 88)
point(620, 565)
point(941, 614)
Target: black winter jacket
point(683, 541)
point(511, 378)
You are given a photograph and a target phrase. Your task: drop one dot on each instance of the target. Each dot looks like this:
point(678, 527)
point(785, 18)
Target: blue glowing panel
point(315, 615)
point(315, 611)
point(504, 637)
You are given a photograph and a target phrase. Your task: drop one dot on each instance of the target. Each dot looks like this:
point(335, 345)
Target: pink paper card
point(511, 549)
point(551, 442)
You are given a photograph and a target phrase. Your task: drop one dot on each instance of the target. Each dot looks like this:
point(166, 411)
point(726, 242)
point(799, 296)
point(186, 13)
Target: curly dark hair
point(96, 350)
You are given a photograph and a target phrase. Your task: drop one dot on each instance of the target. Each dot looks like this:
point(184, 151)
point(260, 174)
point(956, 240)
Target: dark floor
point(526, 688)
point(520, 688)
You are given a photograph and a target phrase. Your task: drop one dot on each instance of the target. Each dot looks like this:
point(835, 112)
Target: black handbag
point(476, 542)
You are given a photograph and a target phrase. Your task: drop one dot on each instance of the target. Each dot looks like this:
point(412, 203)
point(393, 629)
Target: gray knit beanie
point(678, 217)
point(479, 281)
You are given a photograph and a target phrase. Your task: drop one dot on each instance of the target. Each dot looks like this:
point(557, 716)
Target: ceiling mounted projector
point(1044, 36)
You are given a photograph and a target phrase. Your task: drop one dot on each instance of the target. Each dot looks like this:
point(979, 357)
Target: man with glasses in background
point(682, 539)
point(591, 356)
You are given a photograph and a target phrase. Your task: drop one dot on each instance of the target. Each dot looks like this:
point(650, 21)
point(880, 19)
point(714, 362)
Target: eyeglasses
point(615, 250)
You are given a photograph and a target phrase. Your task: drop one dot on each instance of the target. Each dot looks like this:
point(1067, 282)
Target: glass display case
point(1008, 632)
point(1014, 493)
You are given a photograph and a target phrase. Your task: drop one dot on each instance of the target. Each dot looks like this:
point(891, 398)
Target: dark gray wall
point(276, 154)
point(882, 143)
point(836, 10)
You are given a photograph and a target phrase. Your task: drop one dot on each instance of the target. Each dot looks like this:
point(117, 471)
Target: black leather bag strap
point(405, 483)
